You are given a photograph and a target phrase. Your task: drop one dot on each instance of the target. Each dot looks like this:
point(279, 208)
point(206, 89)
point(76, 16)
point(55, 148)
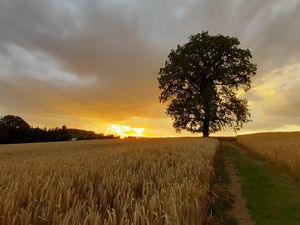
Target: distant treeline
point(13, 129)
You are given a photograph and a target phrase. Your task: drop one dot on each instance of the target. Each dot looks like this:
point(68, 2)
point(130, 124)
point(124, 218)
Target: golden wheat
point(281, 148)
point(124, 182)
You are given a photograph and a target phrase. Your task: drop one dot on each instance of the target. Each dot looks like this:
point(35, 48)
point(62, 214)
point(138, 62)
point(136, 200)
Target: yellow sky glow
point(124, 131)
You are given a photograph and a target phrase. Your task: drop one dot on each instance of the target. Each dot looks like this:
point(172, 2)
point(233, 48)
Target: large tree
point(201, 80)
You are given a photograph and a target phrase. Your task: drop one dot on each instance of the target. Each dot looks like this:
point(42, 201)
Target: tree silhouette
point(13, 129)
point(14, 122)
point(200, 81)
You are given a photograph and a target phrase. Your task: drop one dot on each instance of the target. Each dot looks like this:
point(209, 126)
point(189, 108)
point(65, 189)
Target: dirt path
point(239, 210)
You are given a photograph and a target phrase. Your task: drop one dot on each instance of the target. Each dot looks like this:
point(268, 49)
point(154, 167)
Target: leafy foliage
point(200, 80)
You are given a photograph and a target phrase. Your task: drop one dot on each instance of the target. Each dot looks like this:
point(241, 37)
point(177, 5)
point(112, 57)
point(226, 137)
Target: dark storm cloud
point(101, 58)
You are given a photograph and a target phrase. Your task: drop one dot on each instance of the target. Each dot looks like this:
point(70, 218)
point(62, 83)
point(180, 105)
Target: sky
point(92, 64)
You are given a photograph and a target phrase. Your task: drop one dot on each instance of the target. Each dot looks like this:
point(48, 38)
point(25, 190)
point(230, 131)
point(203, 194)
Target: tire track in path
point(239, 210)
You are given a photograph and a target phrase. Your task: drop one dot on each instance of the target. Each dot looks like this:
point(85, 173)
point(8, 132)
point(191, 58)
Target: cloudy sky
point(89, 64)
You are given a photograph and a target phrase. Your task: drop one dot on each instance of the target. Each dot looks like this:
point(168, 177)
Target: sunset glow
point(99, 71)
point(125, 131)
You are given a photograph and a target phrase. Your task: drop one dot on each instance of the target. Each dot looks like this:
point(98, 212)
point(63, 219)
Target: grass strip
point(272, 199)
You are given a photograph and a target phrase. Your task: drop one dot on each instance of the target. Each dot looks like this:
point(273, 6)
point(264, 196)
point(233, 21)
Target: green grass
point(272, 199)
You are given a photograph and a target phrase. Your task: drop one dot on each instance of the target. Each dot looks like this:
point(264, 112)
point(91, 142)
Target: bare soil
point(239, 210)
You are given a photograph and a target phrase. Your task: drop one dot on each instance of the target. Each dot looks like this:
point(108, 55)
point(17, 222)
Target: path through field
point(239, 211)
point(260, 190)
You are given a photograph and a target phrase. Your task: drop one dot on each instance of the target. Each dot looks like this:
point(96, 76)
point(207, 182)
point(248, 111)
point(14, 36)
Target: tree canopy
point(13, 122)
point(200, 82)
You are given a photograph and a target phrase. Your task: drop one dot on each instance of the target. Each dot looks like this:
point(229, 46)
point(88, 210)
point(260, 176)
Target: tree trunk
point(206, 127)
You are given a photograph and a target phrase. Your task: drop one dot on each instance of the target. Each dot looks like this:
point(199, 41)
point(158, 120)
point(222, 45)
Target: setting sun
point(125, 131)
point(136, 112)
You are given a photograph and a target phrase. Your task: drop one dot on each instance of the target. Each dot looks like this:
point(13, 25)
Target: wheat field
point(282, 148)
point(125, 182)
